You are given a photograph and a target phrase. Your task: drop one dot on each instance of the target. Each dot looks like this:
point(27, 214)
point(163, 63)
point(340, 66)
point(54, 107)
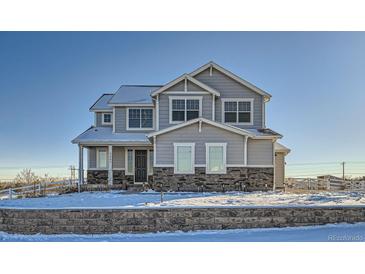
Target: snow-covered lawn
point(325, 233)
point(117, 199)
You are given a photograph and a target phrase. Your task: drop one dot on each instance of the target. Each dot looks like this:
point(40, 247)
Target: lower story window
point(101, 158)
point(184, 157)
point(216, 157)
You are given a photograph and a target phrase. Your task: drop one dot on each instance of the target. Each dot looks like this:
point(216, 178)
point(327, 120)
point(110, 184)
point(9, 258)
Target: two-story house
point(204, 131)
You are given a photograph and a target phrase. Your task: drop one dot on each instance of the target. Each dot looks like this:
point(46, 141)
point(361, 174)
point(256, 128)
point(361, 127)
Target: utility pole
point(343, 171)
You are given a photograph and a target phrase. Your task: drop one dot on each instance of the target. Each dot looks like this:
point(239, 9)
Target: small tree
point(26, 177)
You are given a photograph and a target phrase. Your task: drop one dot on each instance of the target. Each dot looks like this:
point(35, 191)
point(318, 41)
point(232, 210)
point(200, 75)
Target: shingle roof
point(105, 135)
point(102, 102)
point(133, 94)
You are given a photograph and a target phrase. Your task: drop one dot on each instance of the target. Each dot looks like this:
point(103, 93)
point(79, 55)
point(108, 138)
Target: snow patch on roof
point(280, 147)
point(105, 135)
point(102, 103)
point(133, 94)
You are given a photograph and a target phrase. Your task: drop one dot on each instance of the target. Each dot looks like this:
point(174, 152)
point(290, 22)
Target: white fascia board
point(232, 76)
point(96, 143)
point(190, 122)
point(100, 110)
point(133, 105)
point(186, 77)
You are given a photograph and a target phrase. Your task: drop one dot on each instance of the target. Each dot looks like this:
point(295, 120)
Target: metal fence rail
point(38, 189)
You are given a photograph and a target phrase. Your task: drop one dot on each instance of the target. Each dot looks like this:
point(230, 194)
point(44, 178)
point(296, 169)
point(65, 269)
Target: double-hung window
point(106, 119)
point(101, 158)
point(184, 109)
point(184, 158)
point(139, 118)
point(238, 111)
point(216, 155)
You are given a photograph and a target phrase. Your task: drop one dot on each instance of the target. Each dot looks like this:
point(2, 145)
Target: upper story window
point(183, 109)
point(106, 119)
point(139, 118)
point(237, 111)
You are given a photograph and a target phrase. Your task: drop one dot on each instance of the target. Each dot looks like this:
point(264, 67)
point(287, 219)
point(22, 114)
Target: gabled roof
point(102, 103)
point(105, 135)
point(232, 76)
point(193, 121)
point(186, 77)
point(133, 94)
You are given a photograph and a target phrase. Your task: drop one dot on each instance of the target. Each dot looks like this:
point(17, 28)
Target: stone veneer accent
point(236, 179)
point(119, 177)
point(97, 176)
point(93, 221)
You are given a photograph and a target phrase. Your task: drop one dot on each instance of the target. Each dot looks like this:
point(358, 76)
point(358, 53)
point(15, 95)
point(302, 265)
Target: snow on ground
point(111, 199)
point(118, 199)
point(273, 199)
point(325, 233)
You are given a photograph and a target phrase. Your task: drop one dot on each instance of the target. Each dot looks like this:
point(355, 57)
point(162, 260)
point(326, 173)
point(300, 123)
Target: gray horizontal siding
point(190, 134)
point(118, 157)
point(279, 169)
point(121, 122)
point(181, 87)
point(259, 152)
point(229, 88)
point(98, 120)
point(164, 107)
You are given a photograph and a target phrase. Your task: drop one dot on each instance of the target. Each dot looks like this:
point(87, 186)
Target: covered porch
point(114, 158)
point(116, 164)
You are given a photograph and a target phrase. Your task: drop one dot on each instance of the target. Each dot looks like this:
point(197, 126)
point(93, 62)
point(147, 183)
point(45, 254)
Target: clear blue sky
point(48, 81)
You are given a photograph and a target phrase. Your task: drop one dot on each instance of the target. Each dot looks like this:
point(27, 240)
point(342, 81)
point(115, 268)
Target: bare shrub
point(26, 177)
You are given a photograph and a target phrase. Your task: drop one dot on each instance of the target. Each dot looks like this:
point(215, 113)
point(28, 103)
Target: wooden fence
point(39, 189)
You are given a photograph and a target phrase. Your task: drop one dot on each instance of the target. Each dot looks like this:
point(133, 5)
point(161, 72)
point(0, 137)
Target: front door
point(140, 164)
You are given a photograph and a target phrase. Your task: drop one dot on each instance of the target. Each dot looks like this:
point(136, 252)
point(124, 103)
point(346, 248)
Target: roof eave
point(219, 125)
point(131, 104)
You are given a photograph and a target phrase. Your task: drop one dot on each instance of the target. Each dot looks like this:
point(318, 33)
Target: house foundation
point(236, 179)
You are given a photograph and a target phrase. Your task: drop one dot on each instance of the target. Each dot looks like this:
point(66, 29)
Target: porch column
point(110, 165)
point(245, 152)
point(81, 165)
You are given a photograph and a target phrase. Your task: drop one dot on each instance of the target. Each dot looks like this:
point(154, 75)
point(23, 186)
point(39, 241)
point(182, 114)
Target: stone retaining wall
point(92, 221)
point(236, 179)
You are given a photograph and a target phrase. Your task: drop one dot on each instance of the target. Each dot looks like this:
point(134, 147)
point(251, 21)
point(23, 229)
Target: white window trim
point(142, 128)
point(251, 100)
point(224, 145)
point(149, 169)
point(126, 161)
point(192, 145)
point(97, 158)
point(200, 98)
point(111, 118)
